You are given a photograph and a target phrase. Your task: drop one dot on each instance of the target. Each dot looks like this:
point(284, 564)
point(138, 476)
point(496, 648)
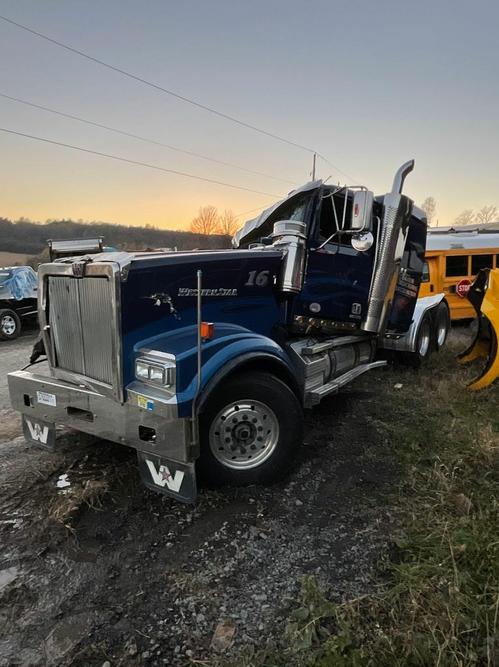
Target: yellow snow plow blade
point(484, 295)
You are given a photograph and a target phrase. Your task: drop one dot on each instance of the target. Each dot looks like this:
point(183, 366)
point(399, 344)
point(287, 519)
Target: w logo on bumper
point(162, 477)
point(37, 432)
point(167, 476)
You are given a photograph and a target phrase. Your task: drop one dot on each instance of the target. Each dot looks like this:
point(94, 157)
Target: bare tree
point(487, 214)
point(206, 221)
point(466, 217)
point(429, 206)
point(227, 223)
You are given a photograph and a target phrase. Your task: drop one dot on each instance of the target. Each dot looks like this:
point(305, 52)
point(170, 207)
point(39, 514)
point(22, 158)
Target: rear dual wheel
point(431, 335)
point(441, 325)
point(250, 430)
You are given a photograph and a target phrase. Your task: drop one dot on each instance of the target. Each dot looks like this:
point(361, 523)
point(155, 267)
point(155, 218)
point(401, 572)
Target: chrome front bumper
point(144, 422)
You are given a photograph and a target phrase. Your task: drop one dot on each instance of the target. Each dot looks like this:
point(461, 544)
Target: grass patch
point(440, 603)
point(441, 606)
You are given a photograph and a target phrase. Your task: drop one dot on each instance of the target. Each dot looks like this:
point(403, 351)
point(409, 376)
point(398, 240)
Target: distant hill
point(13, 259)
point(30, 238)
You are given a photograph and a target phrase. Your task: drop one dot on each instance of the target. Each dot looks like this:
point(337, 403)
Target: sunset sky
point(367, 84)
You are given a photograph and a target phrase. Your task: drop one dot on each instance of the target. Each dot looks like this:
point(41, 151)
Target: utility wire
point(140, 138)
point(172, 93)
point(252, 210)
point(157, 86)
point(350, 178)
point(135, 162)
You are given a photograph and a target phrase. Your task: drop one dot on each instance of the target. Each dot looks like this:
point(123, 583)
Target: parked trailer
point(206, 359)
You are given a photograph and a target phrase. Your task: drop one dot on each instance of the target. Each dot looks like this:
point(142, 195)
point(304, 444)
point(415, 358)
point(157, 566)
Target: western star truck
point(203, 361)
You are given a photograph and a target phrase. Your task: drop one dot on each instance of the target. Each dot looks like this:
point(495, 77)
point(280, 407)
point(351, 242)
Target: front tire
point(10, 324)
point(250, 430)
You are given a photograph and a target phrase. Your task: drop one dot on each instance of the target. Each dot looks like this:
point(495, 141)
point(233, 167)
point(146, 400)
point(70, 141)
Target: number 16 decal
point(258, 278)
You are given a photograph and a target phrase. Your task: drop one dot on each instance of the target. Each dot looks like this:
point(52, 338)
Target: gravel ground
point(106, 570)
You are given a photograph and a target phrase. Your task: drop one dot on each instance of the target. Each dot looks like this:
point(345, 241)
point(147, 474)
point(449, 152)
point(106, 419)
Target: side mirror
point(362, 210)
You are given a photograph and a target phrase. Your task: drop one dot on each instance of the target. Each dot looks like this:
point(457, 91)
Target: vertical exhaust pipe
point(397, 211)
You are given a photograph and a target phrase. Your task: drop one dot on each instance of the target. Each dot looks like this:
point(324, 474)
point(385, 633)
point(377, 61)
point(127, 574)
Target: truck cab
point(204, 361)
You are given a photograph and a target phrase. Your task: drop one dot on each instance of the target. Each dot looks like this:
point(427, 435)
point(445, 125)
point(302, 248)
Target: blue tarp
point(18, 282)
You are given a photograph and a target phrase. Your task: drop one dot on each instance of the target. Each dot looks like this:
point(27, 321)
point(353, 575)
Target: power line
point(135, 162)
point(350, 178)
point(252, 210)
point(173, 93)
point(157, 86)
point(140, 138)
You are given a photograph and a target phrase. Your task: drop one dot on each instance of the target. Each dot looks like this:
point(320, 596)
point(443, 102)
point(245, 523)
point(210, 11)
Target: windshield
point(295, 208)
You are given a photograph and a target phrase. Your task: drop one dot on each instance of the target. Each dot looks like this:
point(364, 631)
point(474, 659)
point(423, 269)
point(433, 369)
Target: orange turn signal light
point(207, 330)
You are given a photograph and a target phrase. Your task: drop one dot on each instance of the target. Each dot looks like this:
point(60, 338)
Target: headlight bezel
point(156, 372)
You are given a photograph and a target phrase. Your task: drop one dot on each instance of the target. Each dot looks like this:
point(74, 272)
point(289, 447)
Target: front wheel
point(10, 324)
point(250, 430)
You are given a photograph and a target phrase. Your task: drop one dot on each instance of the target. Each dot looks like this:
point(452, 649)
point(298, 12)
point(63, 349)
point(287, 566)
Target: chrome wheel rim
point(244, 434)
point(8, 325)
point(441, 332)
point(424, 339)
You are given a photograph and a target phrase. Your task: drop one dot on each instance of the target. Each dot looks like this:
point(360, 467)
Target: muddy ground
point(105, 570)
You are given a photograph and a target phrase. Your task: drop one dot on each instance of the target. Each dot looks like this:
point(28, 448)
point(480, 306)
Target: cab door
point(338, 277)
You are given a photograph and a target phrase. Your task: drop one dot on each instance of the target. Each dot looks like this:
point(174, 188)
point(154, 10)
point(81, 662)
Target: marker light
point(207, 330)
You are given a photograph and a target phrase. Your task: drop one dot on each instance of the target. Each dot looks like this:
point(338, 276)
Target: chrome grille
point(81, 322)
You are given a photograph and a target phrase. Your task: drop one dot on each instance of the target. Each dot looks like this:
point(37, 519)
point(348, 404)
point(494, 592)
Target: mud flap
point(39, 433)
point(484, 296)
point(169, 477)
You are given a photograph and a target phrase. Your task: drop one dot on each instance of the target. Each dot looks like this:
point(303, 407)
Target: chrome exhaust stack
point(397, 212)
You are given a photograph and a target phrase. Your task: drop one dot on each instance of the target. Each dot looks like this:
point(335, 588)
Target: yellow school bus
point(453, 258)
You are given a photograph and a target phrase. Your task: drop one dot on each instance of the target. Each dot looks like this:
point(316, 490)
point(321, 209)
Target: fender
point(250, 359)
point(231, 346)
point(407, 342)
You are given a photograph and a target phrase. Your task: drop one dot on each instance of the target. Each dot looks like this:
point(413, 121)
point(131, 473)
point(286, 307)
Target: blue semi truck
point(204, 361)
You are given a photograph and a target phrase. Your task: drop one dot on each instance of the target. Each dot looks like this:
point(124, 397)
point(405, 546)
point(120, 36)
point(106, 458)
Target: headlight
point(161, 374)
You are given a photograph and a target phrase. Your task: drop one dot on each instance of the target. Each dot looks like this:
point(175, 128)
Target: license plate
point(38, 432)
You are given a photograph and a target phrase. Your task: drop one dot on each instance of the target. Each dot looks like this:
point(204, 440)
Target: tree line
point(210, 221)
point(467, 217)
point(30, 238)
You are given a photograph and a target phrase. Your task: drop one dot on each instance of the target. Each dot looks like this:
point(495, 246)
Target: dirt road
point(105, 570)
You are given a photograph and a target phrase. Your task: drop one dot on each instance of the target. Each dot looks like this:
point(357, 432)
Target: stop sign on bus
point(463, 287)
